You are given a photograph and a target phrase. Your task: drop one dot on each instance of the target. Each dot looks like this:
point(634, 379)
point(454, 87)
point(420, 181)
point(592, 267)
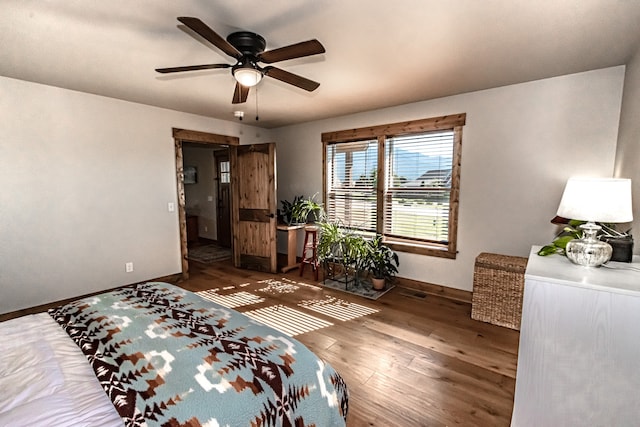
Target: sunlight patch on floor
point(337, 308)
point(291, 322)
point(284, 286)
point(278, 287)
point(237, 299)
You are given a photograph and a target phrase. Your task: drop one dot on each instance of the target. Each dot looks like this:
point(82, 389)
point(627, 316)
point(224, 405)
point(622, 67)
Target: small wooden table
point(292, 245)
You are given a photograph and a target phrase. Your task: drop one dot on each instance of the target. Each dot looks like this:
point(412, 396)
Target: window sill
point(422, 249)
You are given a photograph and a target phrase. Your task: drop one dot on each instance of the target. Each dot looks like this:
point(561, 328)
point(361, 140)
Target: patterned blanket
point(167, 357)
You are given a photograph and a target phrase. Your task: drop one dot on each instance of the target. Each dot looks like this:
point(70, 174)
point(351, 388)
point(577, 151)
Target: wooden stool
point(310, 249)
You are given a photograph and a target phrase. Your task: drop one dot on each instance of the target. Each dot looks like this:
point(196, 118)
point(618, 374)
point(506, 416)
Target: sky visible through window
point(411, 161)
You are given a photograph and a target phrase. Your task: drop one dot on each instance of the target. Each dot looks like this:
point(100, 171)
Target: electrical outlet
point(206, 228)
point(128, 267)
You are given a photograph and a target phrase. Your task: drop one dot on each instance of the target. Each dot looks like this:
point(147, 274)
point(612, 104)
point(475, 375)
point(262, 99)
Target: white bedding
point(46, 380)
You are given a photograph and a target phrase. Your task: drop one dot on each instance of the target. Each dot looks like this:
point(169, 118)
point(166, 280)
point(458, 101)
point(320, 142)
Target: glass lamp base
point(589, 251)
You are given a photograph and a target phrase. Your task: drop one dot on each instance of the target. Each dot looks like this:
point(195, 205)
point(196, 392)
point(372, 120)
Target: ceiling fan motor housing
point(250, 44)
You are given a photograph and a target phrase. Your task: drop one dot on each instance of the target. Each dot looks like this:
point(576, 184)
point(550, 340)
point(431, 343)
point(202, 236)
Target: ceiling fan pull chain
point(257, 118)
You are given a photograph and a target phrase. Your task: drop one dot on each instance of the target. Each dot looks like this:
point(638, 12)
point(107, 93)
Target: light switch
point(171, 207)
point(209, 198)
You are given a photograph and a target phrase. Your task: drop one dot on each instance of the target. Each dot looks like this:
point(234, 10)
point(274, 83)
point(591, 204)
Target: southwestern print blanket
point(167, 357)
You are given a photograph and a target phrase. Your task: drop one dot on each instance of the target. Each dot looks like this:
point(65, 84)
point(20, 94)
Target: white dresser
point(579, 354)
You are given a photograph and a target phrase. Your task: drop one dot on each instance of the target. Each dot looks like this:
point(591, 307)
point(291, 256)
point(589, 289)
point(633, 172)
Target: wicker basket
point(498, 284)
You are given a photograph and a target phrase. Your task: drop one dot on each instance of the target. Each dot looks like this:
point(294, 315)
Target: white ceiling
point(378, 52)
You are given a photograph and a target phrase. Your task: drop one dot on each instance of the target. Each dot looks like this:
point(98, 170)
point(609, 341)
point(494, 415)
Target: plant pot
point(378, 284)
point(622, 248)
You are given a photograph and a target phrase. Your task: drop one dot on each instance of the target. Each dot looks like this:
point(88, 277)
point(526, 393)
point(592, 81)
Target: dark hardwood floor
point(419, 360)
point(416, 360)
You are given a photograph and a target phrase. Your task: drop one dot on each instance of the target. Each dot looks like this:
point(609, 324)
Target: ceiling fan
point(248, 49)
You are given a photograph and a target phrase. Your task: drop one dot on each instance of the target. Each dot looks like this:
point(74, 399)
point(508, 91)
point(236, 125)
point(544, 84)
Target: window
point(351, 182)
point(225, 172)
point(400, 180)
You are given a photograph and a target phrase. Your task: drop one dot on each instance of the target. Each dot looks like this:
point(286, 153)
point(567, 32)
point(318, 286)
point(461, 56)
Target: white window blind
point(351, 184)
point(418, 186)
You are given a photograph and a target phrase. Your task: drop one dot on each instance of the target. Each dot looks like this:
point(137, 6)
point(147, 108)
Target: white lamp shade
point(597, 199)
point(247, 76)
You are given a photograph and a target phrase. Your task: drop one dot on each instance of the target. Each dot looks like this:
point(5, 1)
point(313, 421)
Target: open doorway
point(202, 212)
point(207, 180)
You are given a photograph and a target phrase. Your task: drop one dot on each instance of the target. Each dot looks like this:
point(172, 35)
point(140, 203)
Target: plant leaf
point(562, 241)
point(547, 250)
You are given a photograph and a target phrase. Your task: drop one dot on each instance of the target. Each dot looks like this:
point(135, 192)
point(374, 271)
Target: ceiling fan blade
point(298, 50)
point(292, 79)
point(240, 94)
point(205, 31)
point(191, 68)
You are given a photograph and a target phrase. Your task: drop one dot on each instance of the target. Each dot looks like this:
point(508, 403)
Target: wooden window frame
point(382, 133)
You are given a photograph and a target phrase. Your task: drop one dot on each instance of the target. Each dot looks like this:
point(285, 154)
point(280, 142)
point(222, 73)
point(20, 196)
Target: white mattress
point(46, 380)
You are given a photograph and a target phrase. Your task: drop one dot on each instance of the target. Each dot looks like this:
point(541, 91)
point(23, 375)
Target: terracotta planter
point(378, 284)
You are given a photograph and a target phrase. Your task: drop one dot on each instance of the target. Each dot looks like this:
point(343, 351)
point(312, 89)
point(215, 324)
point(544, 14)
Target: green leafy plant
point(306, 209)
point(330, 242)
point(381, 260)
point(300, 210)
point(342, 247)
point(337, 242)
point(287, 209)
point(354, 251)
point(559, 244)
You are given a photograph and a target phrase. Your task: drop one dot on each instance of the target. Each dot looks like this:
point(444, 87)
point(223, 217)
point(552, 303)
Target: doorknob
point(271, 215)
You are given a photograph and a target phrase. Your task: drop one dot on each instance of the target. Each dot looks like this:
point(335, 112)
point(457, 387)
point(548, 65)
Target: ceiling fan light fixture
point(247, 76)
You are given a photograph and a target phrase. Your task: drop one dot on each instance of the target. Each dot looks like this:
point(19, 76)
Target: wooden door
point(224, 198)
point(253, 177)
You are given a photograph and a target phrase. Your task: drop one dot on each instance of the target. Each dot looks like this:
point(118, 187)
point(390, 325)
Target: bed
point(160, 355)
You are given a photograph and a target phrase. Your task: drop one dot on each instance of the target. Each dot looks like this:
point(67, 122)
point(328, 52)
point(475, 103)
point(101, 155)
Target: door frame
point(181, 136)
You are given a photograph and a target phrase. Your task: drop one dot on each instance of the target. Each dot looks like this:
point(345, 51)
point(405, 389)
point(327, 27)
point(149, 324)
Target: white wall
point(85, 186)
point(628, 153)
point(86, 179)
point(520, 145)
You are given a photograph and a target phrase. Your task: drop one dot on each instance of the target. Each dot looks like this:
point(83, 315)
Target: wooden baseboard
point(431, 289)
point(174, 279)
point(47, 306)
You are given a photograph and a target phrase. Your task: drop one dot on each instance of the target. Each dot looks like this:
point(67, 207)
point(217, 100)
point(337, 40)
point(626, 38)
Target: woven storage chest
point(498, 284)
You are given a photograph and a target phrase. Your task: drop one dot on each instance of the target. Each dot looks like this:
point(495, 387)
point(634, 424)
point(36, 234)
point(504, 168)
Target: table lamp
point(606, 200)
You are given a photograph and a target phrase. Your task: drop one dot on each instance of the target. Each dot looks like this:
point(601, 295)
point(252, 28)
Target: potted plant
point(621, 242)
point(354, 255)
point(307, 210)
point(382, 262)
point(301, 210)
point(287, 209)
point(329, 249)
point(330, 242)
point(342, 252)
